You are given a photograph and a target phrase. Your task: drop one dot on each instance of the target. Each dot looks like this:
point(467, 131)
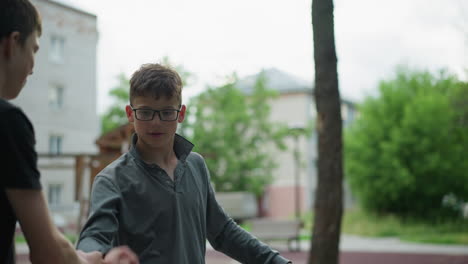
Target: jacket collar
point(182, 147)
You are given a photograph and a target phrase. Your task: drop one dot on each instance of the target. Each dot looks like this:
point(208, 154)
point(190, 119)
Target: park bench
point(267, 229)
point(239, 206)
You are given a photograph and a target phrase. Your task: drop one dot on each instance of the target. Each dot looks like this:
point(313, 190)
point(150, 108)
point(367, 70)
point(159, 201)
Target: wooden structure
point(111, 146)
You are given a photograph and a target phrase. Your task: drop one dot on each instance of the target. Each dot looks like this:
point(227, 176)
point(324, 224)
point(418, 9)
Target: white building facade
point(295, 181)
point(60, 97)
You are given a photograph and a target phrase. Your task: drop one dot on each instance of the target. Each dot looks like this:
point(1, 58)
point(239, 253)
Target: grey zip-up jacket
point(164, 221)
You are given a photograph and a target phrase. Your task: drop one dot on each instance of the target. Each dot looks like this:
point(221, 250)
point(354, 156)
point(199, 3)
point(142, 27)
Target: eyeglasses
point(144, 114)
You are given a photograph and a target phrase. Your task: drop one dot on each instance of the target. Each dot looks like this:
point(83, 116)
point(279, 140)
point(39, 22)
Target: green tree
point(115, 115)
point(409, 147)
point(233, 132)
point(187, 76)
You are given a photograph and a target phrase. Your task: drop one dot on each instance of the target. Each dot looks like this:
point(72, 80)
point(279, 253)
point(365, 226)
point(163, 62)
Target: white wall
point(297, 110)
point(77, 120)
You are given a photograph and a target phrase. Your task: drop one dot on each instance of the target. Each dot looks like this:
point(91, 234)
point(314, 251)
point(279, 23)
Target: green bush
point(409, 147)
point(359, 222)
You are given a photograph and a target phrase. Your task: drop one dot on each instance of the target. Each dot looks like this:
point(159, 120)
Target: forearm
point(245, 248)
point(60, 250)
point(65, 253)
point(102, 225)
point(67, 249)
point(46, 243)
point(89, 243)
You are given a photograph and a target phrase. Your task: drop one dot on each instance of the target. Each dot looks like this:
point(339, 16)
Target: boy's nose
point(156, 120)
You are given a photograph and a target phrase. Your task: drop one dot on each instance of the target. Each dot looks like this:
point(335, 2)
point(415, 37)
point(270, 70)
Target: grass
point(361, 223)
point(21, 239)
point(358, 222)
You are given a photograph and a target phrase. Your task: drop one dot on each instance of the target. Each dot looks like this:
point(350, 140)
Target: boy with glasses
point(21, 198)
point(157, 198)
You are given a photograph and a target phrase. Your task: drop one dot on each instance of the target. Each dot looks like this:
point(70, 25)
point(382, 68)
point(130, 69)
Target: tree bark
point(328, 208)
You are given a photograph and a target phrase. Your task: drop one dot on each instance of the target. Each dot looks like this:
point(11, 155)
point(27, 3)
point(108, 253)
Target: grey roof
point(282, 82)
point(71, 6)
point(276, 80)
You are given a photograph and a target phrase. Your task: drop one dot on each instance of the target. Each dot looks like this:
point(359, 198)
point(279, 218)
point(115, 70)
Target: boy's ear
point(8, 43)
point(129, 112)
point(182, 114)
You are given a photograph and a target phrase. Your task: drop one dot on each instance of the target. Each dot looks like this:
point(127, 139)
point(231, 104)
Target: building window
point(56, 97)
point(312, 111)
point(344, 113)
point(55, 194)
point(55, 144)
point(351, 112)
point(57, 48)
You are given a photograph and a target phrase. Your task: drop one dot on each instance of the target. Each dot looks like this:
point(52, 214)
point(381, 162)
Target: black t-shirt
point(18, 169)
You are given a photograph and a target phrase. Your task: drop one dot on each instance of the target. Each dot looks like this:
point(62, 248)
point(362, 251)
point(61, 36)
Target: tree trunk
point(328, 208)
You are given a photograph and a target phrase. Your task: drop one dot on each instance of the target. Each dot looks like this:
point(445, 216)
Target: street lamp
point(296, 132)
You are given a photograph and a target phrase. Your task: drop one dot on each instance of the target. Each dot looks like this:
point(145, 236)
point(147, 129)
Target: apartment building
point(295, 179)
point(60, 98)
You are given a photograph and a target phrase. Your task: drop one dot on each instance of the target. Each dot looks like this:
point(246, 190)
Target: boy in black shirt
point(21, 197)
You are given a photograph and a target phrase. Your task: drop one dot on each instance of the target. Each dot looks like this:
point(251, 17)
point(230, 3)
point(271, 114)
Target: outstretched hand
point(94, 257)
point(118, 255)
point(121, 255)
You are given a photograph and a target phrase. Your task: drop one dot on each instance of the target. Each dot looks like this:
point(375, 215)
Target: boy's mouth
point(156, 134)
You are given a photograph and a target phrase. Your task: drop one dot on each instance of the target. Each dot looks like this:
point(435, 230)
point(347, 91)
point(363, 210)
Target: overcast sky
point(213, 38)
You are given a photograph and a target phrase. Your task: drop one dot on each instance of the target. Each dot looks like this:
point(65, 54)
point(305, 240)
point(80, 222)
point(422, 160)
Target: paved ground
point(361, 250)
point(354, 250)
point(360, 258)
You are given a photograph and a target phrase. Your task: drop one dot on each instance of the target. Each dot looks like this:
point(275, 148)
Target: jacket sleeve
point(228, 237)
point(102, 225)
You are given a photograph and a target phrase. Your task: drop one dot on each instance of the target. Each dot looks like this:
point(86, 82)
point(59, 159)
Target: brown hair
point(21, 16)
point(156, 80)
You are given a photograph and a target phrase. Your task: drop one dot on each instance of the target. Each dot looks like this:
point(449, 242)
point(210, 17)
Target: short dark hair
point(21, 16)
point(156, 80)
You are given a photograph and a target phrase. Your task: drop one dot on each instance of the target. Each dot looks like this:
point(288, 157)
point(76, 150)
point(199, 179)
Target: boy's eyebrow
point(162, 108)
